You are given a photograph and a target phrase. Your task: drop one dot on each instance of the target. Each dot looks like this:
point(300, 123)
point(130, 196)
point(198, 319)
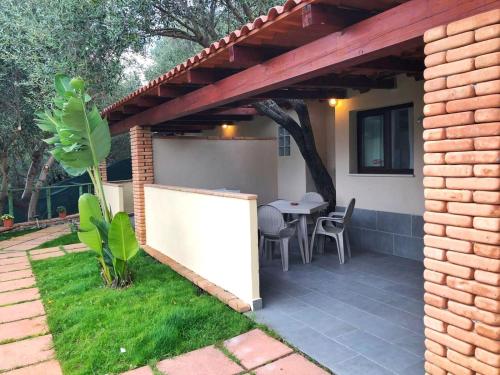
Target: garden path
point(26, 346)
point(25, 342)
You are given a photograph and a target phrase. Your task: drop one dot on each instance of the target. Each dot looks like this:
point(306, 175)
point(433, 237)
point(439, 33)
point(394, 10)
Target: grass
point(160, 315)
point(16, 233)
point(66, 239)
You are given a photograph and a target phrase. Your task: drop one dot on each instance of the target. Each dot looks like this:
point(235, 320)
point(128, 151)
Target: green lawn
point(160, 315)
point(66, 239)
point(16, 233)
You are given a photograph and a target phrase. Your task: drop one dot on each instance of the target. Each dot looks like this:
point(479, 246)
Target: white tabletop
point(302, 208)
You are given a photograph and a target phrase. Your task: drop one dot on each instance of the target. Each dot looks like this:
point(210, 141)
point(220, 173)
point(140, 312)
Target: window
point(284, 142)
point(385, 140)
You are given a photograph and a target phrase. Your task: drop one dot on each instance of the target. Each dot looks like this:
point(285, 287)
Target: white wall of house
point(393, 193)
point(248, 165)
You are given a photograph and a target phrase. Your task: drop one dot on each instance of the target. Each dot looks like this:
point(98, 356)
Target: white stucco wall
point(213, 234)
point(402, 194)
point(119, 195)
point(248, 165)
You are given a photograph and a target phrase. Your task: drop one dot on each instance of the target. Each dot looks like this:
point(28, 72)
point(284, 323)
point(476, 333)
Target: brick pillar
point(103, 170)
point(141, 145)
point(462, 198)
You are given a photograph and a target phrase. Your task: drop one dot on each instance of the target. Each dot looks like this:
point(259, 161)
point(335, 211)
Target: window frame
point(386, 114)
point(285, 135)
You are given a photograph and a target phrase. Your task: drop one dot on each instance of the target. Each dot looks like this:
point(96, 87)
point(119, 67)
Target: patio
point(361, 317)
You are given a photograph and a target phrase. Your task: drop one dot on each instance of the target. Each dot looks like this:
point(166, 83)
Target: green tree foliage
point(39, 38)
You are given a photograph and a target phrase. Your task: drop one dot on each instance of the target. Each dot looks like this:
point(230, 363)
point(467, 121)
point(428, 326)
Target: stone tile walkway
point(253, 352)
point(26, 345)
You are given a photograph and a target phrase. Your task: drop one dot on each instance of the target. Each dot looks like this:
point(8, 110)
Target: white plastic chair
point(334, 226)
point(274, 229)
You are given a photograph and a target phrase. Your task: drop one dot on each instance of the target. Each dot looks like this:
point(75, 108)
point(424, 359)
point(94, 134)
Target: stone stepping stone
point(14, 275)
point(293, 364)
point(146, 370)
point(20, 311)
point(53, 254)
point(6, 286)
point(15, 267)
point(13, 254)
point(4, 262)
point(16, 296)
point(206, 361)
point(23, 328)
point(26, 352)
point(43, 368)
point(255, 348)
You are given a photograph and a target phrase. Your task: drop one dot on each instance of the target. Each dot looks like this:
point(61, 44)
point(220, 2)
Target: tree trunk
point(304, 138)
point(4, 170)
point(39, 184)
point(36, 161)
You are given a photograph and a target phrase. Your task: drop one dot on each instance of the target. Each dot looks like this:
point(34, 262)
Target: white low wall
point(119, 196)
point(212, 233)
point(245, 164)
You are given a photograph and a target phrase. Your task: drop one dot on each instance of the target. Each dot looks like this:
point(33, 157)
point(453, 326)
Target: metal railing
point(48, 195)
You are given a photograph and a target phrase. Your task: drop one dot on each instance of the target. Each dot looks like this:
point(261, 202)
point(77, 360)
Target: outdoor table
point(301, 209)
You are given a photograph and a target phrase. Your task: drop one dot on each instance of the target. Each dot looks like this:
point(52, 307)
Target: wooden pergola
point(318, 49)
point(310, 49)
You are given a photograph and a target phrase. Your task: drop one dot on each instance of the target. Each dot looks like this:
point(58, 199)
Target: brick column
point(462, 198)
point(141, 145)
point(103, 170)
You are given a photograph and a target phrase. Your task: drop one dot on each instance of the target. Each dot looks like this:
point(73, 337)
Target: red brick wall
point(142, 173)
point(462, 198)
point(103, 170)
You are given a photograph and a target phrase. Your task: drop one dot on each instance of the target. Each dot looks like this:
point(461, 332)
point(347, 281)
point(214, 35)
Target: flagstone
point(14, 260)
point(23, 328)
point(12, 254)
point(145, 370)
point(15, 267)
point(44, 368)
point(16, 296)
point(255, 348)
point(26, 352)
point(47, 255)
point(14, 275)
point(206, 361)
point(294, 364)
point(6, 286)
point(21, 311)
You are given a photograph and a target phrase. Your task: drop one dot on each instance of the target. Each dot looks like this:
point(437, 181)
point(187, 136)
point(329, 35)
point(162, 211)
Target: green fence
point(50, 198)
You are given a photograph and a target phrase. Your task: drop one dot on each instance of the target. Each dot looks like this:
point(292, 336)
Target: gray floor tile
point(360, 366)
point(362, 317)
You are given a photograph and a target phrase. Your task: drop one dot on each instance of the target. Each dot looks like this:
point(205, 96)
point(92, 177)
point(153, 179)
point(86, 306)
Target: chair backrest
point(270, 219)
point(312, 197)
point(349, 211)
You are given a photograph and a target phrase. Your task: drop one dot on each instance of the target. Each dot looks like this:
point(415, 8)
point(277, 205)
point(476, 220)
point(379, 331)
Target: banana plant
point(80, 140)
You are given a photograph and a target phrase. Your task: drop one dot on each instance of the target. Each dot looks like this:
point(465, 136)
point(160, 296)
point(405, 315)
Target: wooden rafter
point(382, 35)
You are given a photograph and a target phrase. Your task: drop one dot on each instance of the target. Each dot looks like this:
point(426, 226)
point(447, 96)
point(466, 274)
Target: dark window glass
point(385, 140)
point(283, 142)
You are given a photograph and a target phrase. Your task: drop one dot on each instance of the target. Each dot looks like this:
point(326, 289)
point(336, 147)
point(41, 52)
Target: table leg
point(305, 238)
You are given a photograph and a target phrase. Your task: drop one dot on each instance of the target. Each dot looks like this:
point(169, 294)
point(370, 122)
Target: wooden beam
point(202, 76)
point(243, 57)
point(382, 35)
point(291, 93)
point(167, 128)
point(321, 17)
point(249, 111)
point(395, 64)
point(348, 81)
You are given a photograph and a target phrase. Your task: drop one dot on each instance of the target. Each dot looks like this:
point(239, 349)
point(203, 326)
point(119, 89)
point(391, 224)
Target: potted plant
point(8, 220)
point(61, 210)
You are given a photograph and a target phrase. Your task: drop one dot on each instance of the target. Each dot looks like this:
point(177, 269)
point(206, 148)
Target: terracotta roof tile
point(259, 22)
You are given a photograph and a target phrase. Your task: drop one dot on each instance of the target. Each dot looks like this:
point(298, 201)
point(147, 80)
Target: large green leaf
point(81, 137)
point(89, 207)
point(92, 239)
point(121, 238)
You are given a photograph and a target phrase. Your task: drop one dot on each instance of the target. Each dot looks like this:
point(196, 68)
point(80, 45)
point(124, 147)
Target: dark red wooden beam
point(382, 35)
point(321, 17)
point(348, 81)
point(395, 64)
point(291, 93)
